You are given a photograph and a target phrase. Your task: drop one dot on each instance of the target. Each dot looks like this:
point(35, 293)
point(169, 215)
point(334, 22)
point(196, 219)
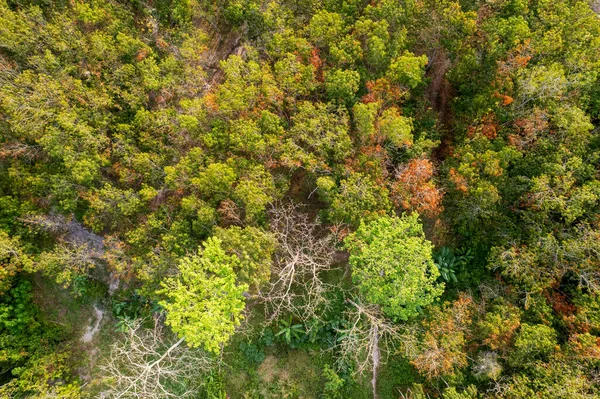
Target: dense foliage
point(300, 198)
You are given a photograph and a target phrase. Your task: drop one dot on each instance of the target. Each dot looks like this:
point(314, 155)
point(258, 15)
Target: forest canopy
point(300, 199)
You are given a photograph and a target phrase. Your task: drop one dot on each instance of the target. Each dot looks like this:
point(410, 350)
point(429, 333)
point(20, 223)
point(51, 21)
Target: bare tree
point(305, 251)
point(151, 363)
point(367, 334)
point(590, 279)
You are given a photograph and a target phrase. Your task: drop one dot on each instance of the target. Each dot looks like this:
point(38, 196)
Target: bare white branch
point(305, 251)
point(367, 334)
point(152, 363)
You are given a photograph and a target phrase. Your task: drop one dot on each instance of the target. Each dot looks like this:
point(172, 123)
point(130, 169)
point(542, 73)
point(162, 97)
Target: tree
point(66, 262)
point(241, 89)
point(318, 138)
point(469, 393)
point(358, 197)
point(325, 28)
point(544, 261)
point(415, 190)
point(533, 341)
point(255, 190)
point(341, 85)
point(392, 265)
point(304, 253)
point(151, 363)
point(46, 376)
point(12, 260)
point(441, 344)
point(477, 183)
point(294, 78)
point(254, 248)
point(556, 379)
point(31, 352)
point(395, 128)
point(498, 327)
point(364, 119)
point(367, 331)
point(204, 303)
point(408, 69)
point(375, 39)
point(159, 124)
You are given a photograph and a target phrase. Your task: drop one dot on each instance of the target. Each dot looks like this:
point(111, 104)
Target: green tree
point(341, 85)
point(395, 128)
point(533, 342)
point(469, 393)
point(392, 264)
point(294, 78)
point(357, 197)
point(318, 139)
point(254, 247)
point(204, 303)
point(364, 118)
point(12, 260)
point(325, 28)
point(408, 69)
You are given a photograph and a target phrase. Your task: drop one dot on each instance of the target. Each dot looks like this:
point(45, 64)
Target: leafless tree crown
point(151, 363)
point(305, 251)
point(366, 335)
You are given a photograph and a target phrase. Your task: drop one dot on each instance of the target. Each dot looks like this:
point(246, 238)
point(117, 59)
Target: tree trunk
point(376, 356)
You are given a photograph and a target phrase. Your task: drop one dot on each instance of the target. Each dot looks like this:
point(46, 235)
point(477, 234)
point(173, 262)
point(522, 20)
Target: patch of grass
point(397, 374)
point(73, 310)
point(59, 306)
point(257, 367)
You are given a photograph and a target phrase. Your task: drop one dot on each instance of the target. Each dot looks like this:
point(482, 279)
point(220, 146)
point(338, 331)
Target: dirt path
point(440, 94)
point(94, 327)
point(220, 47)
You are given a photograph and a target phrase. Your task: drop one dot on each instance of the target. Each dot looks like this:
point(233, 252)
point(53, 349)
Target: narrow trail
point(220, 47)
point(92, 329)
point(440, 93)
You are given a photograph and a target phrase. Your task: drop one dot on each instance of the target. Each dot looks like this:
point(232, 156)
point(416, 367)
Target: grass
point(72, 309)
point(260, 367)
point(397, 375)
point(282, 374)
